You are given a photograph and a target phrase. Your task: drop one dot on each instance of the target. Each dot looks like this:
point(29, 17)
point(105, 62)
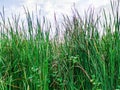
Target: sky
point(49, 7)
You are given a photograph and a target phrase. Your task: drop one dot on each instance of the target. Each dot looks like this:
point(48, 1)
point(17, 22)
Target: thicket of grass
point(29, 60)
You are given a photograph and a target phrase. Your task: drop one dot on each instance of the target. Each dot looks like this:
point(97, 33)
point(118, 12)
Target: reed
point(84, 60)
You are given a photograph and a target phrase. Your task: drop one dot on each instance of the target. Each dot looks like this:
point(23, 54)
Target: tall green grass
point(84, 60)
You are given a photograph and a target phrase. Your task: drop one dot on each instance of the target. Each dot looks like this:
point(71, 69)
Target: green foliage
point(84, 60)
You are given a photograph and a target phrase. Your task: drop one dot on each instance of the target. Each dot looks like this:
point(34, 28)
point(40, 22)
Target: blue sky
point(48, 7)
point(9, 3)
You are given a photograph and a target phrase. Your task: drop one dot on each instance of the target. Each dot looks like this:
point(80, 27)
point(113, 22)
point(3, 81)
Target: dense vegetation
point(84, 60)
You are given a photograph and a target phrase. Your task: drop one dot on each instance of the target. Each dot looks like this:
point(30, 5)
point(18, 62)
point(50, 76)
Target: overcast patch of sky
point(48, 7)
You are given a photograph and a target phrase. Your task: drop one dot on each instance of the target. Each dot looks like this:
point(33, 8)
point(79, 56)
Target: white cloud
point(48, 7)
point(98, 3)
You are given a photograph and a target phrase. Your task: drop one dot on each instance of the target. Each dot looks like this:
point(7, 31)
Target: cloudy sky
point(48, 7)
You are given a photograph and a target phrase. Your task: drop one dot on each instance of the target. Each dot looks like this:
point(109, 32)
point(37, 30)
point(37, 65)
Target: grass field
point(84, 60)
